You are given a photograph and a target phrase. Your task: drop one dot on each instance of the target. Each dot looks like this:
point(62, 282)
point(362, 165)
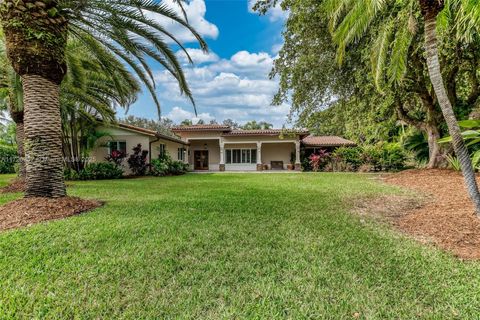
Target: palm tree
point(349, 20)
point(88, 93)
point(36, 33)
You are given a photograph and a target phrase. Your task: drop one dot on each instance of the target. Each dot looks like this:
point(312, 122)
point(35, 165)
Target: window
point(117, 146)
point(161, 150)
point(238, 156)
point(181, 154)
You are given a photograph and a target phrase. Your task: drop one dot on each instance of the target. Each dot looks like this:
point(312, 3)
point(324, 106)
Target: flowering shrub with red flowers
point(116, 157)
point(319, 160)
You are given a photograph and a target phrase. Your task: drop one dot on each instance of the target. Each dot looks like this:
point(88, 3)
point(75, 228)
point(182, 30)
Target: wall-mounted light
point(205, 146)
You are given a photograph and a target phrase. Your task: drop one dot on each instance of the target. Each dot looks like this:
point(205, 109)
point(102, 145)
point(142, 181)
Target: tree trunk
point(433, 135)
point(435, 74)
point(43, 141)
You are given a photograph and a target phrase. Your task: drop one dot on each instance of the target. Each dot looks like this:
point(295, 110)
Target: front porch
point(221, 154)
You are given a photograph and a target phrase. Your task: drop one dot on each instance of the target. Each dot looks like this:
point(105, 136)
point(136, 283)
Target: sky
point(232, 80)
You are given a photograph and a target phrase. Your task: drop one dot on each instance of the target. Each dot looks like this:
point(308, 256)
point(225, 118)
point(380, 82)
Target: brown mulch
point(16, 185)
point(28, 211)
point(446, 215)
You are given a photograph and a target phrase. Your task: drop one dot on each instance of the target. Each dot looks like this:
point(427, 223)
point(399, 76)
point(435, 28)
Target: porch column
point(185, 154)
point(298, 165)
point(259, 156)
point(222, 155)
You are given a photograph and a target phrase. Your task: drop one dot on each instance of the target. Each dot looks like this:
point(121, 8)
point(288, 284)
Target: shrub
point(96, 171)
point(394, 157)
point(138, 161)
point(116, 157)
point(8, 159)
point(348, 157)
point(319, 160)
point(165, 166)
point(372, 157)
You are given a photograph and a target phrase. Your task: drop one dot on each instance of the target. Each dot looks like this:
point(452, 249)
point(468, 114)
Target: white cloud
point(178, 114)
point(195, 10)
point(197, 55)
point(238, 88)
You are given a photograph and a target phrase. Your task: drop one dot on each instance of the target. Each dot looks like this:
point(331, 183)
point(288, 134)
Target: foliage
point(383, 76)
point(165, 166)
point(232, 124)
point(138, 161)
point(163, 125)
point(319, 160)
point(394, 157)
point(95, 171)
point(7, 133)
point(351, 156)
point(254, 125)
point(116, 157)
point(416, 142)
point(8, 159)
point(453, 162)
point(378, 157)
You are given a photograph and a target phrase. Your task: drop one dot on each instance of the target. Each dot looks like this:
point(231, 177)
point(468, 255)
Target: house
point(216, 147)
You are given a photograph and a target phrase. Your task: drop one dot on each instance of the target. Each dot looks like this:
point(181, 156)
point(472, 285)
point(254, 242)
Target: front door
point(201, 160)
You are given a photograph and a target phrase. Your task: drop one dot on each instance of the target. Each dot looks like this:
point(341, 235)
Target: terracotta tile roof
point(151, 133)
point(327, 141)
point(202, 127)
point(269, 132)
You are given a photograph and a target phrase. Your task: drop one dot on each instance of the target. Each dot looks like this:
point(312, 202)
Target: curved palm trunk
point(434, 70)
point(43, 141)
point(17, 117)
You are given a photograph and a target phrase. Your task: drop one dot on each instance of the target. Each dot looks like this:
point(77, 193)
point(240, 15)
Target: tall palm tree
point(36, 33)
point(349, 20)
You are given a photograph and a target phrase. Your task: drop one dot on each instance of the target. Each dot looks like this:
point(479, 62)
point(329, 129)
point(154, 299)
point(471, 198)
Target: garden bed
point(28, 211)
point(446, 216)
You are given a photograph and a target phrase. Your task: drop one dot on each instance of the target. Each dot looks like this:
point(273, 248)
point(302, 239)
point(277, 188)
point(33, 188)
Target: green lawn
point(249, 246)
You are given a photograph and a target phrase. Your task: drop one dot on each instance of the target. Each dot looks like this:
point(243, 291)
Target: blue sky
point(231, 81)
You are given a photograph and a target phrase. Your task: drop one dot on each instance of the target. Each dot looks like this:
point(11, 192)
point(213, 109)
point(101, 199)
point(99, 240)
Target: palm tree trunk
point(43, 141)
point(436, 78)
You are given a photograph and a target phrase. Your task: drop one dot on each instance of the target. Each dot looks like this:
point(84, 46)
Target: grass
point(250, 246)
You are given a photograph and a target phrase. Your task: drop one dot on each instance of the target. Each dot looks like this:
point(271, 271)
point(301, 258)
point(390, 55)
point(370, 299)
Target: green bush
point(372, 157)
point(8, 159)
point(350, 156)
point(379, 157)
point(394, 157)
point(165, 166)
point(95, 171)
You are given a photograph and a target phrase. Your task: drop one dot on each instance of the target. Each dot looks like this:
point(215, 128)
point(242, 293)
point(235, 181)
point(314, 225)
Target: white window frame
point(117, 142)
point(181, 154)
point(247, 156)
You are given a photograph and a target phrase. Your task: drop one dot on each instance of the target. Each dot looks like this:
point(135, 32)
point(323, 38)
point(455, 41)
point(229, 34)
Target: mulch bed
point(445, 217)
point(28, 211)
point(16, 185)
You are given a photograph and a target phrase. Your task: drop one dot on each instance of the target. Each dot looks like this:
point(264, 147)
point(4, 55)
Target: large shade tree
point(36, 34)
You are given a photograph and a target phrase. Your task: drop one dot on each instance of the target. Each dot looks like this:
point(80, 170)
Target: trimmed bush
point(8, 159)
point(165, 166)
point(96, 171)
